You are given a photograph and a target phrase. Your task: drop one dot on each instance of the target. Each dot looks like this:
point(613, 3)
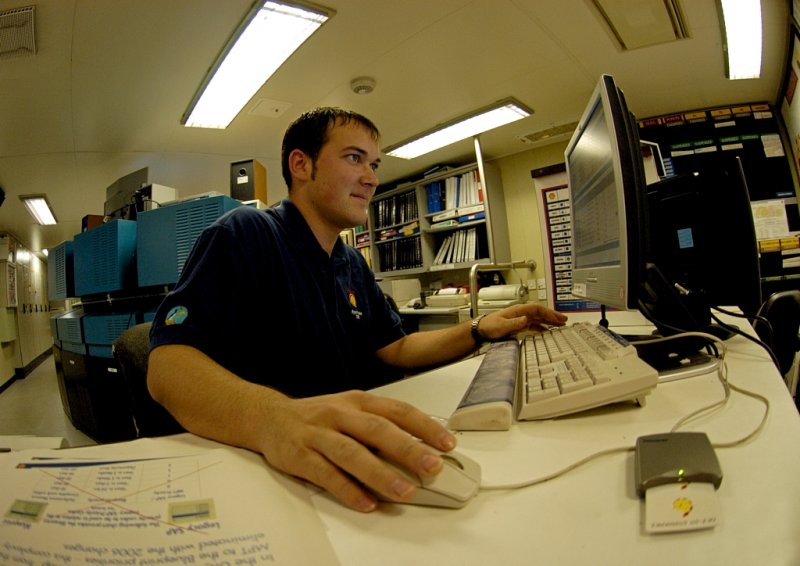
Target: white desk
point(592, 515)
point(588, 516)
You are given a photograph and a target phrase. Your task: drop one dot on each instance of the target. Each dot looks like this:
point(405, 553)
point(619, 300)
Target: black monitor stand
point(673, 314)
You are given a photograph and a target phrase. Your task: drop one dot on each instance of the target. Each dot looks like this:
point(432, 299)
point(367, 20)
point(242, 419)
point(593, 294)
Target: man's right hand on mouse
point(331, 441)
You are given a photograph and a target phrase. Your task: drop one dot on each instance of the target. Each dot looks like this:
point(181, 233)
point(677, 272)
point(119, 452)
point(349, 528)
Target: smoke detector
point(362, 85)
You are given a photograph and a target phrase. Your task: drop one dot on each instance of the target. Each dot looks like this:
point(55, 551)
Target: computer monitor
point(672, 249)
point(606, 180)
point(123, 197)
point(702, 240)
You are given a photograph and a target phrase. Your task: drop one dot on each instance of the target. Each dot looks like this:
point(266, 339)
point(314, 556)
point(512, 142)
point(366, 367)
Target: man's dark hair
point(310, 132)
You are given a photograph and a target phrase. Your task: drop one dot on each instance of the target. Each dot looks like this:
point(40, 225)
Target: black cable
point(752, 318)
point(710, 347)
point(158, 204)
point(751, 338)
point(603, 320)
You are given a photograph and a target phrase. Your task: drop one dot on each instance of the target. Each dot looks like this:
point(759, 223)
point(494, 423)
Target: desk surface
point(592, 514)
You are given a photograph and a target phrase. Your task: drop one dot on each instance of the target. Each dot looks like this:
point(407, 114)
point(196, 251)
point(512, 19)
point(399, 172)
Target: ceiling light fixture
point(741, 33)
point(39, 208)
point(269, 34)
point(498, 114)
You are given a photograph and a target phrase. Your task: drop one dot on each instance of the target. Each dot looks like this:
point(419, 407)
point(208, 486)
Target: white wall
point(525, 236)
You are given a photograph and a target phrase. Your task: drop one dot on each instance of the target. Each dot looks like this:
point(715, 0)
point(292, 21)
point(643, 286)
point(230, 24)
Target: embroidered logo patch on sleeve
point(176, 315)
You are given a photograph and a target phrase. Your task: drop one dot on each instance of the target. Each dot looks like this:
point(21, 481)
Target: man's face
point(344, 175)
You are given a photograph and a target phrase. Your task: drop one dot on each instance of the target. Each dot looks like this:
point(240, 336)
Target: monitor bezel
point(617, 285)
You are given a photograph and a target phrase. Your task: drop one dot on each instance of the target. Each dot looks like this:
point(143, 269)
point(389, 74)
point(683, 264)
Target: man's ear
point(300, 165)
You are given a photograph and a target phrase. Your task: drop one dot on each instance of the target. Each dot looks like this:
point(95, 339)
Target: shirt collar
point(298, 227)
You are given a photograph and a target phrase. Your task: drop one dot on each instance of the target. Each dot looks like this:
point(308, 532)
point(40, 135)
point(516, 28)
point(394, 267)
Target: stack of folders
point(460, 246)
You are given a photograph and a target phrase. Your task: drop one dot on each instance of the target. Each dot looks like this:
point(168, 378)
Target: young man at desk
point(276, 327)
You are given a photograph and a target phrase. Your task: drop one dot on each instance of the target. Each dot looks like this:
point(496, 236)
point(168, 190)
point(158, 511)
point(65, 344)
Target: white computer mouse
point(453, 487)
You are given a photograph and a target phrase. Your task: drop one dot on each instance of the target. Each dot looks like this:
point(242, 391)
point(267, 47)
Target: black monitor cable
point(710, 346)
point(761, 343)
point(603, 320)
point(139, 199)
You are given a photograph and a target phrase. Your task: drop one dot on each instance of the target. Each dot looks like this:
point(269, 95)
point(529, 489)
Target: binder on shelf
point(471, 190)
point(435, 196)
point(442, 253)
point(472, 217)
point(450, 213)
point(387, 234)
point(473, 209)
point(409, 229)
point(462, 246)
point(444, 224)
point(451, 251)
point(451, 192)
point(472, 247)
point(399, 232)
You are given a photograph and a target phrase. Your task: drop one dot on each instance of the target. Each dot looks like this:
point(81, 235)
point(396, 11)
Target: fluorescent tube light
point(742, 37)
point(499, 114)
point(270, 33)
point(39, 208)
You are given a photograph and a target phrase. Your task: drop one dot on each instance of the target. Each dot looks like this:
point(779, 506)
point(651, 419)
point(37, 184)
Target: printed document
point(177, 500)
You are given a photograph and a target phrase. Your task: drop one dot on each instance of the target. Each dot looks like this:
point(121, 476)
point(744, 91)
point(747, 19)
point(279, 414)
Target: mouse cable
point(720, 352)
point(727, 386)
point(722, 375)
point(561, 472)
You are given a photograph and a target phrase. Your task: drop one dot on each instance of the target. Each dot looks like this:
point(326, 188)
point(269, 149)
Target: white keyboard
point(558, 372)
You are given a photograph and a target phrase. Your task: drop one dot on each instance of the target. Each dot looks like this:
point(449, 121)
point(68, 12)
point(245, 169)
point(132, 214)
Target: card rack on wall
point(697, 139)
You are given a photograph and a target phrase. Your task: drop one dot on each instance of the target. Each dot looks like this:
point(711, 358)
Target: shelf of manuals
point(449, 220)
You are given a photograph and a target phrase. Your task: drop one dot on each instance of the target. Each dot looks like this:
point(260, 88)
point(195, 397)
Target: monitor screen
point(606, 180)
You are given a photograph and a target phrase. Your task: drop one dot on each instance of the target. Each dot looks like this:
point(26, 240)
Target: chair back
point(782, 311)
point(131, 350)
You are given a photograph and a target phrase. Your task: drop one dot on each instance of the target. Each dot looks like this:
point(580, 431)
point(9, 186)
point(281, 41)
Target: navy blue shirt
point(259, 295)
